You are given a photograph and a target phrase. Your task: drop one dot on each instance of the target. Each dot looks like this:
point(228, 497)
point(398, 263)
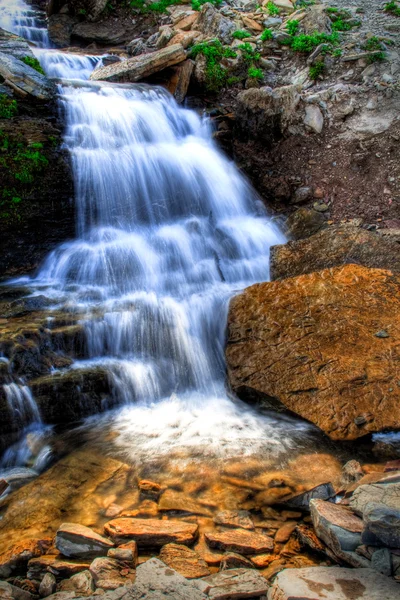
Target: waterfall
point(167, 230)
point(22, 404)
point(27, 22)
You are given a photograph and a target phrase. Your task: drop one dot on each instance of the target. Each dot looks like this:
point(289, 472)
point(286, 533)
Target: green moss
point(292, 26)
point(255, 73)
point(316, 70)
point(393, 8)
point(214, 52)
point(197, 4)
point(8, 107)
point(34, 63)
point(307, 43)
point(19, 166)
point(267, 35)
point(240, 34)
point(248, 54)
point(272, 9)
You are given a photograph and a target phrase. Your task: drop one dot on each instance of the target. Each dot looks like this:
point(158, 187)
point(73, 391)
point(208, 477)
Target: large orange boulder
point(325, 346)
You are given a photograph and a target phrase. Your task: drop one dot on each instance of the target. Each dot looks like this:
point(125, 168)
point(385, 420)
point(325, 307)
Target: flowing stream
point(167, 230)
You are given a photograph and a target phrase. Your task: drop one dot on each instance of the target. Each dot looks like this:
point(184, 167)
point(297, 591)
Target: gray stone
point(14, 45)
point(304, 223)
point(314, 118)
point(47, 585)
point(283, 38)
point(332, 583)
point(234, 518)
point(236, 583)
point(93, 8)
point(387, 494)
point(60, 29)
point(78, 541)
point(81, 583)
point(108, 32)
point(272, 22)
point(155, 581)
point(340, 529)
point(110, 574)
point(25, 80)
point(213, 24)
point(302, 194)
point(324, 491)
point(381, 561)
point(11, 592)
point(383, 523)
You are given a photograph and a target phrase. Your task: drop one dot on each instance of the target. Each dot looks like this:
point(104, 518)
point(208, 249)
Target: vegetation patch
point(316, 70)
point(373, 44)
point(8, 107)
point(292, 26)
point(248, 54)
point(393, 8)
point(214, 52)
point(240, 34)
point(255, 73)
point(306, 43)
point(34, 63)
point(19, 166)
point(267, 35)
point(272, 9)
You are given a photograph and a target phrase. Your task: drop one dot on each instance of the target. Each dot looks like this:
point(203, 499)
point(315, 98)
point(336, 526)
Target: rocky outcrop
point(108, 33)
point(332, 583)
point(13, 45)
point(322, 345)
point(213, 24)
point(25, 80)
point(332, 247)
point(139, 67)
point(92, 9)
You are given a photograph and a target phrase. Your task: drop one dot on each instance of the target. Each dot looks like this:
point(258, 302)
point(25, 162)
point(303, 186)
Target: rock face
point(77, 541)
point(213, 24)
point(25, 80)
point(386, 494)
point(322, 345)
point(141, 66)
point(102, 33)
point(240, 540)
point(333, 247)
point(13, 45)
point(92, 8)
point(185, 561)
point(332, 583)
point(151, 533)
point(382, 524)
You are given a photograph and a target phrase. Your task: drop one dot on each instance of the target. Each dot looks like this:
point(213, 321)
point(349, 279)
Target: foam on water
point(26, 21)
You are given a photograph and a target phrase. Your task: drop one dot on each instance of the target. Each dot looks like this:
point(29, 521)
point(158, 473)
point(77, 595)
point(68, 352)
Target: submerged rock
point(151, 533)
point(185, 561)
point(110, 574)
point(78, 541)
point(236, 583)
point(240, 540)
point(308, 344)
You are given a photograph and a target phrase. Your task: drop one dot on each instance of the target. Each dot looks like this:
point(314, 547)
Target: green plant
point(316, 70)
point(197, 4)
point(214, 52)
point(82, 11)
point(373, 44)
point(8, 107)
point(255, 73)
point(240, 34)
point(266, 35)
point(306, 43)
point(34, 63)
point(393, 8)
point(248, 54)
point(232, 80)
point(161, 6)
point(337, 52)
point(272, 9)
point(292, 26)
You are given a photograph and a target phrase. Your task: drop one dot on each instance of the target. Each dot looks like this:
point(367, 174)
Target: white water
point(26, 21)
point(167, 231)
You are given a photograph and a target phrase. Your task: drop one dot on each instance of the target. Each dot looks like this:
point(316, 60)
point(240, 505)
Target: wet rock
point(71, 489)
point(173, 501)
point(284, 532)
point(126, 553)
point(240, 540)
point(110, 574)
point(185, 561)
point(352, 472)
point(11, 592)
point(60, 29)
point(81, 583)
point(332, 371)
point(16, 556)
point(140, 67)
point(235, 583)
point(3, 486)
point(178, 84)
point(60, 567)
point(92, 8)
point(335, 583)
point(14, 45)
point(386, 494)
point(323, 491)
point(332, 247)
point(213, 24)
point(151, 533)
point(156, 581)
point(106, 33)
point(47, 585)
point(381, 561)
point(339, 528)
point(234, 518)
point(78, 541)
point(382, 525)
point(24, 80)
point(231, 560)
point(303, 223)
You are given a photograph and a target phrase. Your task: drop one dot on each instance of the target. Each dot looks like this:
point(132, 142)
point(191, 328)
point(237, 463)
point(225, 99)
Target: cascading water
point(26, 21)
point(167, 231)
